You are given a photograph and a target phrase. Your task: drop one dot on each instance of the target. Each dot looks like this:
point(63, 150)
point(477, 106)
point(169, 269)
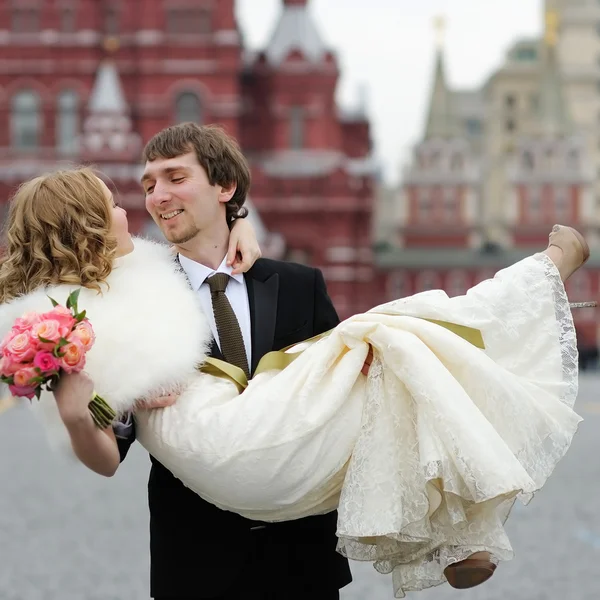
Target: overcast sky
point(389, 45)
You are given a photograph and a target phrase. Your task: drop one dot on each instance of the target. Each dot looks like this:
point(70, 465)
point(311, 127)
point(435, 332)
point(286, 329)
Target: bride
point(467, 405)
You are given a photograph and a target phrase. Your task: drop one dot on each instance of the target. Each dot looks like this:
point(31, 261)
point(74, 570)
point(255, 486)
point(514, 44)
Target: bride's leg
point(567, 249)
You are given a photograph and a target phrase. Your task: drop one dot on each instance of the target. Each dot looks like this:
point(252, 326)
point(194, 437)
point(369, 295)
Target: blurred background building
point(497, 166)
point(90, 81)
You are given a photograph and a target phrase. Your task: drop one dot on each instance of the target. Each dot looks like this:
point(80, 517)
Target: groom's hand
point(157, 402)
point(368, 361)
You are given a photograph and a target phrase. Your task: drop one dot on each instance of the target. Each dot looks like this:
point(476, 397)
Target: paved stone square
point(67, 534)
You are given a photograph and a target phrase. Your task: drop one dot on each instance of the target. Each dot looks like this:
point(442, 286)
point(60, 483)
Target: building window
point(473, 127)
point(527, 160)
point(428, 280)
point(111, 21)
point(457, 162)
point(534, 102)
point(398, 285)
point(484, 275)
point(510, 125)
point(297, 127)
point(188, 21)
point(561, 203)
point(510, 101)
point(67, 125)
point(25, 20)
point(26, 120)
point(457, 283)
point(425, 205)
point(188, 108)
point(579, 286)
point(450, 205)
point(526, 54)
point(534, 203)
point(573, 160)
point(68, 20)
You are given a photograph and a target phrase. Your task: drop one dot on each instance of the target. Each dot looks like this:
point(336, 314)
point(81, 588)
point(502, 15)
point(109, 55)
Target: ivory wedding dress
point(423, 458)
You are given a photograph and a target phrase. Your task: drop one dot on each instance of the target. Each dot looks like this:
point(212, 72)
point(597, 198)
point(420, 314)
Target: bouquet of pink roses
point(41, 347)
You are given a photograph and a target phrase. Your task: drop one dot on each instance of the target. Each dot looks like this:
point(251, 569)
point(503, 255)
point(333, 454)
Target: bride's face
point(119, 227)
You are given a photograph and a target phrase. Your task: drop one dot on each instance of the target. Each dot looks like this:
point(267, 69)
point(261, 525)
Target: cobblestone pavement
point(67, 534)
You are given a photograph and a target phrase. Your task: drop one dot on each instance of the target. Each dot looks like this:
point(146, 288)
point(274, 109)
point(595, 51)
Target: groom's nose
point(160, 194)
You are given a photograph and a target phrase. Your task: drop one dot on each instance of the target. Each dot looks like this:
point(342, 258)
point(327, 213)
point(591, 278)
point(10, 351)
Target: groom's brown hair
point(217, 152)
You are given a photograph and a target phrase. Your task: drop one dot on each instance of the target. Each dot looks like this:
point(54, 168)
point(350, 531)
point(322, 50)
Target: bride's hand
point(243, 249)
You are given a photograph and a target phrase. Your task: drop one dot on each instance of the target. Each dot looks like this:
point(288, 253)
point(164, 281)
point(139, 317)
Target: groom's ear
point(226, 192)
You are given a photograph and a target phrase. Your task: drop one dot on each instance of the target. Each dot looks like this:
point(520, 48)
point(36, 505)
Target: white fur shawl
point(150, 330)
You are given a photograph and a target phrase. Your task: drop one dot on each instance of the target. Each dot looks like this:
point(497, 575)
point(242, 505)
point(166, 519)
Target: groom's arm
point(124, 431)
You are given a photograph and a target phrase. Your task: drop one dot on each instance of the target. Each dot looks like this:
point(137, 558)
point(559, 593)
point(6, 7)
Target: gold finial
point(439, 24)
point(551, 33)
point(111, 44)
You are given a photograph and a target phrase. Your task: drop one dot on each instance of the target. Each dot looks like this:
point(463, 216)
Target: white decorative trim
point(340, 273)
point(186, 66)
point(25, 83)
point(149, 37)
point(341, 254)
point(227, 37)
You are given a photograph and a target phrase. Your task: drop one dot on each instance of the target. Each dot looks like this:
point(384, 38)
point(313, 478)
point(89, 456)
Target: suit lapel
point(262, 299)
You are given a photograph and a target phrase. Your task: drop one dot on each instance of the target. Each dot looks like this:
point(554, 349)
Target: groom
point(195, 182)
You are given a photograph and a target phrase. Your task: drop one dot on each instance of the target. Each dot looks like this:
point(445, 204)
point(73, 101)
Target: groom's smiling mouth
point(170, 215)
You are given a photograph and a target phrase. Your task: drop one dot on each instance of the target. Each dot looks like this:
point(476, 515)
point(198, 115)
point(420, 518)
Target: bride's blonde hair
point(57, 232)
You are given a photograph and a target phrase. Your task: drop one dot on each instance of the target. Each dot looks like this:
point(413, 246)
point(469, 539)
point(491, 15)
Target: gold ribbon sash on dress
point(280, 359)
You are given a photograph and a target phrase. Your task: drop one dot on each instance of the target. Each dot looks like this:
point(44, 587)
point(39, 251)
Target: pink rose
point(21, 348)
point(73, 359)
point(26, 322)
point(9, 336)
point(8, 366)
point(84, 333)
point(65, 319)
point(22, 392)
point(46, 362)
point(24, 376)
point(48, 329)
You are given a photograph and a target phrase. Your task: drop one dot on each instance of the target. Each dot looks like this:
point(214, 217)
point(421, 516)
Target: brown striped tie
point(230, 334)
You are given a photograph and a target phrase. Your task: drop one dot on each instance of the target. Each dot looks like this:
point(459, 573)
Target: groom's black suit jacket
point(200, 551)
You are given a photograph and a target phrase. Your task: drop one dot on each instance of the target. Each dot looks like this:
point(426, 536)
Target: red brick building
point(92, 80)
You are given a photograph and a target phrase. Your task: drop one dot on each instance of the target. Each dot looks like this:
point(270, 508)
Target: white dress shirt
point(236, 293)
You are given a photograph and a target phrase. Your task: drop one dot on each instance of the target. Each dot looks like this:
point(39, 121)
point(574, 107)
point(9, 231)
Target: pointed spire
point(108, 131)
point(107, 94)
point(296, 31)
point(554, 119)
point(440, 120)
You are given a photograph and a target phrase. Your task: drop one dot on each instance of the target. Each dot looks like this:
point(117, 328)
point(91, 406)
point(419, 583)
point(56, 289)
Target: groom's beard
point(175, 237)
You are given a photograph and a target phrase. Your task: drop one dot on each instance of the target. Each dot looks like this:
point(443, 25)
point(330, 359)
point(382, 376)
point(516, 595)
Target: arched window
point(580, 286)
point(573, 159)
point(428, 280)
point(398, 285)
point(188, 108)
point(527, 159)
point(26, 120)
point(67, 121)
point(457, 162)
point(457, 283)
point(296, 127)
